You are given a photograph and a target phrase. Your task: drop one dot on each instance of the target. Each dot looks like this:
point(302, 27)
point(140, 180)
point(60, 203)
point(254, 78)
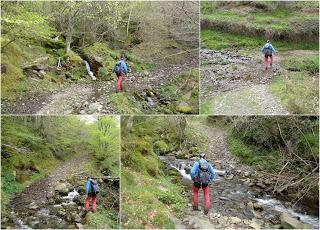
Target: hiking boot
point(196, 208)
point(206, 211)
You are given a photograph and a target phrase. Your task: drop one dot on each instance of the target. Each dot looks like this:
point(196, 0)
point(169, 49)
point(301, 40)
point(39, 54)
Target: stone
point(224, 198)
point(79, 226)
point(230, 177)
point(235, 220)
point(76, 218)
point(95, 107)
point(61, 188)
point(260, 185)
point(184, 107)
point(289, 222)
point(256, 224)
point(257, 206)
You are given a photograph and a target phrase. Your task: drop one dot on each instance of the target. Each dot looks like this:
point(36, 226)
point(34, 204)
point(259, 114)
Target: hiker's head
point(202, 155)
point(122, 57)
point(268, 41)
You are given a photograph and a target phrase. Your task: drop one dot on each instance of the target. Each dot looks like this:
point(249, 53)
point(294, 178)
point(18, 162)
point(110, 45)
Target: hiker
point(202, 173)
point(267, 50)
point(120, 69)
point(92, 189)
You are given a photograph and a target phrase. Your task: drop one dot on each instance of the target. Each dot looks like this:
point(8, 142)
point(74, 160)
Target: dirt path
point(237, 84)
point(38, 193)
point(93, 97)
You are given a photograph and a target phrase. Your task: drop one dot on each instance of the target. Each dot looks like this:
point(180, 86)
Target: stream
point(231, 195)
point(59, 212)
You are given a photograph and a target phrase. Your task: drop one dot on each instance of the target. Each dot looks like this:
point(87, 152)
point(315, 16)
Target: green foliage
point(102, 219)
point(309, 63)
point(274, 22)
point(104, 73)
point(19, 23)
point(125, 104)
point(300, 95)
point(215, 39)
point(160, 147)
point(149, 202)
point(253, 156)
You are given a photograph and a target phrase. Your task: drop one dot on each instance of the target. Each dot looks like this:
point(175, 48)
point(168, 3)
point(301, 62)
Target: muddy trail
point(51, 202)
point(238, 193)
point(238, 83)
point(93, 97)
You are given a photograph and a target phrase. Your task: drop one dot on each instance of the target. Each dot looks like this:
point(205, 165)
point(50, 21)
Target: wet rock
point(79, 226)
point(61, 188)
point(187, 168)
point(76, 217)
point(257, 207)
point(289, 222)
point(150, 102)
point(260, 185)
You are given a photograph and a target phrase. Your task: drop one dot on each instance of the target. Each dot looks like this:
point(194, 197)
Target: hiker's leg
point(119, 83)
point(271, 60)
point(86, 205)
point(121, 80)
point(94, 203)
point(195, 196)
point(265, 62)
point(206, 197)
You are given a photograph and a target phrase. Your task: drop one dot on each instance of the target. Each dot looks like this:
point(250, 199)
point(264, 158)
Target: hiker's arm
point(87, 187)
point(273, 49)
point(212, 172)
point(125, 68)
point(114, 69)
point(194, 170)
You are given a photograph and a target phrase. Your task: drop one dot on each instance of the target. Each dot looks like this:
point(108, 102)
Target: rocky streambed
point(239, 199)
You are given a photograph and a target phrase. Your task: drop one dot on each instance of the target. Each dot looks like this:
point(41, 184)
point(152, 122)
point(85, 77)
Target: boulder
point(95, 107)
point(289, 222)
point(257, 206)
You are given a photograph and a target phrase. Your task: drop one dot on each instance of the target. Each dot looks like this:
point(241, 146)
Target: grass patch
point(217, 40)
point(102, 219)
point(125, 104)
point(300, 95)
point(206, 106)
point(148, 202)
point(308, 63)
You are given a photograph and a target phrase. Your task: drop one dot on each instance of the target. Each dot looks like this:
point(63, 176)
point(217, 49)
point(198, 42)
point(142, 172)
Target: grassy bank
point(297, 88)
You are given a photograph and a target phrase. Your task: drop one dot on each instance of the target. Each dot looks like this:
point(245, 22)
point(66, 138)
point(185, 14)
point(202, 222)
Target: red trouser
point(94, 201)
point(206, 196)
point(119, 83)
point(266, 61)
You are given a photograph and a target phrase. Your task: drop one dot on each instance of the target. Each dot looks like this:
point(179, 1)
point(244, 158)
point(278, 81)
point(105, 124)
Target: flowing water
point(89, 70)
point(232, 195)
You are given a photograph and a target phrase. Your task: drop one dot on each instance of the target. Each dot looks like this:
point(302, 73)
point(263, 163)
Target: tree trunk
point(69, 33)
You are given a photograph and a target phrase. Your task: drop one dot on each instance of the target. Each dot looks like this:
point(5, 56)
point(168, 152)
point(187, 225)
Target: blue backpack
point(204, 173)
point(267, 50)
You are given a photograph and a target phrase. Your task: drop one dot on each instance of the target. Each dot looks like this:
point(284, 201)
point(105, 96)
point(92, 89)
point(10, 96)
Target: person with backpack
point(120, 69)
point(267, 50)
point(92, 189)
point(202, 173)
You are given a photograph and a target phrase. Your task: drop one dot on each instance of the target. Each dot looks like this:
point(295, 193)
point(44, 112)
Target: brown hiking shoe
point(196, 208)
point(206, 211)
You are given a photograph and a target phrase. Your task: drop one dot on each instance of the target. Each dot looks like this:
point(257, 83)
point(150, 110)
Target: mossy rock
point(180, 155)
point(183, 107)
point(160, 147)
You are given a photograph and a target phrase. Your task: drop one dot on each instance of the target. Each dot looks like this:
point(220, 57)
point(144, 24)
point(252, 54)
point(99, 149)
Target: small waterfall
point(89, 70)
